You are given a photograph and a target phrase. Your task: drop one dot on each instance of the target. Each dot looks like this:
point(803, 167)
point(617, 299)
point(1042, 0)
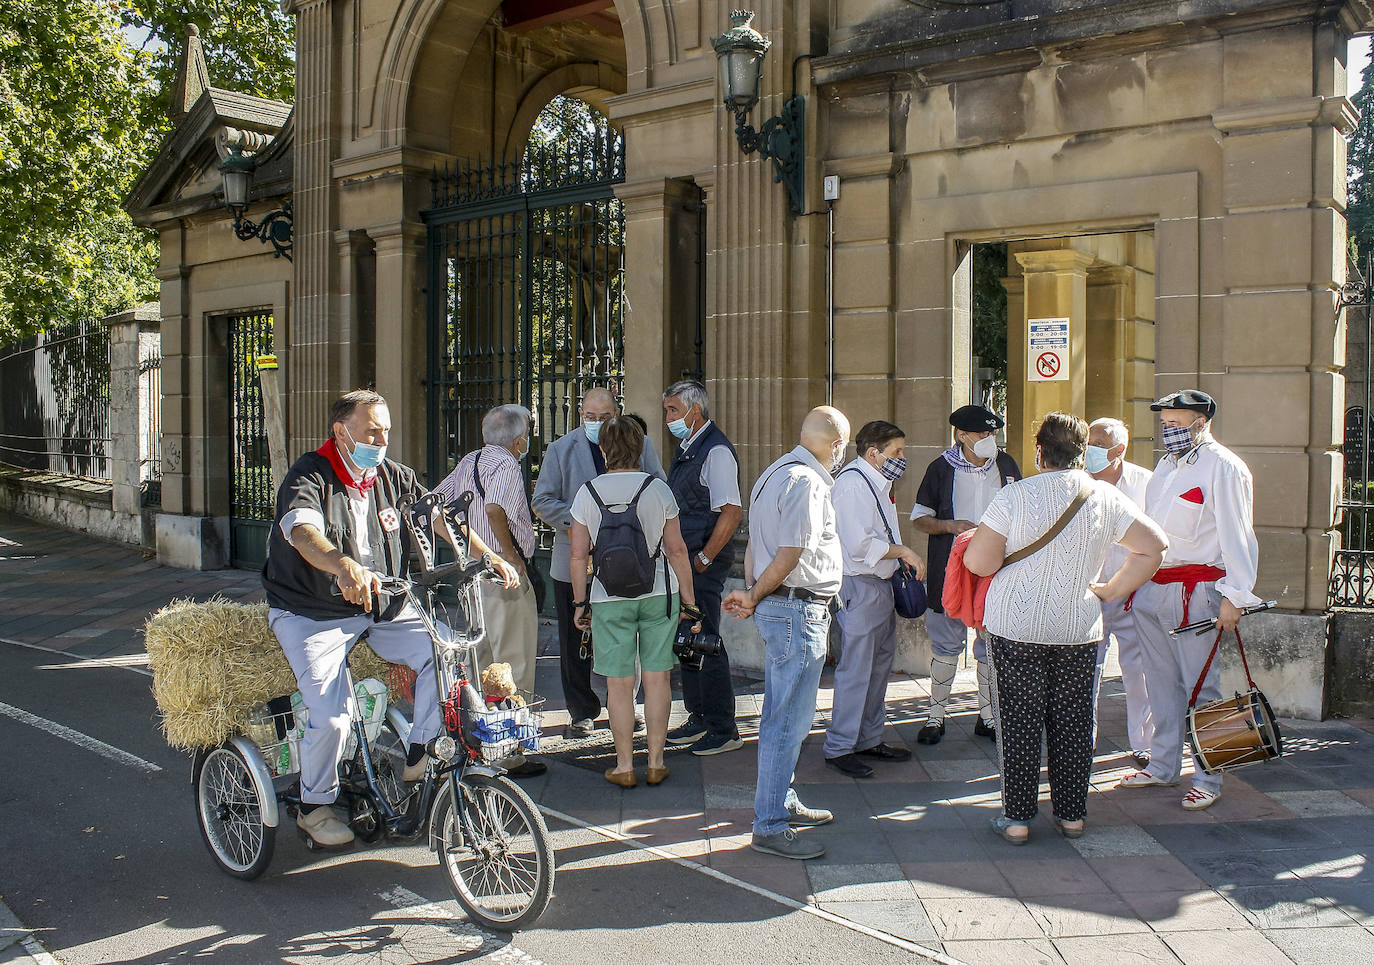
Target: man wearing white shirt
point(1106, 460)
point(704, 478)
point(866, 520)
point(1202, 496)
point(957, 487)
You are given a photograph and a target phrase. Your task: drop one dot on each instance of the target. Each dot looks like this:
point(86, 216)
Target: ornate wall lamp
point(740, 51)
point(276, 228)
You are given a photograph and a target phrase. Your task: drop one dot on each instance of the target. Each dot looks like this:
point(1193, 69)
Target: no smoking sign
point(1047, 350)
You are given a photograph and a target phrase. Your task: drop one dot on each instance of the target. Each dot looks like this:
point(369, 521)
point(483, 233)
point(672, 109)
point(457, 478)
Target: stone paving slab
point(1277, 871)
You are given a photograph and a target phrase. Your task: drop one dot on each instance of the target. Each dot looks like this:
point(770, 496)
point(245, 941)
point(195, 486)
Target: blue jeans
point(794, 637)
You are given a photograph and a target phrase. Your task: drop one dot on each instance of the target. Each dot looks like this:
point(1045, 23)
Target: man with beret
point(958, 485)
point(1202, 496)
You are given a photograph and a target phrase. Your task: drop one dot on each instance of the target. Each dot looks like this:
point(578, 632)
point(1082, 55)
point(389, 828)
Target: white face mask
point(986, 447)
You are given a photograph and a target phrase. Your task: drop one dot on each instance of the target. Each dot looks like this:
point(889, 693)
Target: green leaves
point(71, 142)
point(1360, 172)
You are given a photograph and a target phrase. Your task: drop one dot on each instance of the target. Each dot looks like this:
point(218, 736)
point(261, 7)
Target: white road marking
point(882, 936)
point(115, 663)
point(79, 739)
point(476, 941)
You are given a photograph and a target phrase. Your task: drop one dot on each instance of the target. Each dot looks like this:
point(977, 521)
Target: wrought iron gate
point(526, 292)
point(251, 496)
point(1352, 570)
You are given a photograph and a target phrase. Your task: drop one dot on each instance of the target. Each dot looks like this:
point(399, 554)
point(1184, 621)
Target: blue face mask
point(365, 456)
point(1177, 439)
point(1095, 459)
point(593, 430)
point(678, 427)
point(893, 468)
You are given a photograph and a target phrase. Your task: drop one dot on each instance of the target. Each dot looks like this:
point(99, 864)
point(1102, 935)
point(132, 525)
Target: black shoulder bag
point(908, 592)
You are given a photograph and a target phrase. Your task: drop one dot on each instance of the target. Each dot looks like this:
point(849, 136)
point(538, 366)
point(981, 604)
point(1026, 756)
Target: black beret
point(975, 418)
point(1194, 399)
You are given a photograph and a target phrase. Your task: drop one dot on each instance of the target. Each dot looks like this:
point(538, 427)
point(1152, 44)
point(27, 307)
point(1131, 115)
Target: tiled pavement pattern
point(1277, 871)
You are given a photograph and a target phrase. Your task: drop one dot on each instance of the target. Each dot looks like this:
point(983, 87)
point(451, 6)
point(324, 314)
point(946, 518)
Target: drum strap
point(1197, 687)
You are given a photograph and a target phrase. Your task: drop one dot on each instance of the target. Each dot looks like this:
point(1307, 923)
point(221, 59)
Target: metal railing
point(55, 401)
point(1352, 569)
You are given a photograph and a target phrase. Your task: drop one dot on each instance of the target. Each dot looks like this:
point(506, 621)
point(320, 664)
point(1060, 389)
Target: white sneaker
point(1143, 779)
point(1199, 799)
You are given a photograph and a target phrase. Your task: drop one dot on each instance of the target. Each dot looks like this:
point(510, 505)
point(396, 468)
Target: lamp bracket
point(275, 229)
point(781, 139)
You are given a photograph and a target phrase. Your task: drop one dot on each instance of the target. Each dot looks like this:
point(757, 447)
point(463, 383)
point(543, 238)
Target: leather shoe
point(849, 765)
point(656, 775)
point(527, 768)
point(621, 778)
point(324, 828)
point(886, 752)
point(984, 729)
point(413, 772)
point(931, 732)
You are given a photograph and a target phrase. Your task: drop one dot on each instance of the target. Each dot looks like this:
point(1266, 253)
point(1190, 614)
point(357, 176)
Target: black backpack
point(621, 555)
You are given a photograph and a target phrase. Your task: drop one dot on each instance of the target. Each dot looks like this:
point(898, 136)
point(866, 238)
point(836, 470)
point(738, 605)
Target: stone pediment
point(183, 177)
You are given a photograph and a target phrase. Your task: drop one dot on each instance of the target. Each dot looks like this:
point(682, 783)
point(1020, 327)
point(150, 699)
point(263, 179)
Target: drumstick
point(1203, 626)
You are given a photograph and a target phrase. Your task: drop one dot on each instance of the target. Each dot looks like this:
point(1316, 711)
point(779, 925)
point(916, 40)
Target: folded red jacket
point(965, 593)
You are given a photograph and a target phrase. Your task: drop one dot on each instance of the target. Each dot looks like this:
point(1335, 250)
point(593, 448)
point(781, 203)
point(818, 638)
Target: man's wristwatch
point(705, 560)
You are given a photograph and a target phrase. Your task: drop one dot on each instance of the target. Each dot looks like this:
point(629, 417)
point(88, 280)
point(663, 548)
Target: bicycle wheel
point(503, 874)
point(388, 761)
point(229, 813)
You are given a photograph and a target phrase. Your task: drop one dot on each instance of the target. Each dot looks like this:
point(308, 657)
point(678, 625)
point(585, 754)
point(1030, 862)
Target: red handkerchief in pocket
point(1193, 495)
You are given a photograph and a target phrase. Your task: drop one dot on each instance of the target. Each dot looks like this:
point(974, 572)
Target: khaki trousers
point(512, 631)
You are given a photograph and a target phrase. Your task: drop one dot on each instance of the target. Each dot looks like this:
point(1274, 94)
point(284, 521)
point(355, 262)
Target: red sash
point(1190, 575)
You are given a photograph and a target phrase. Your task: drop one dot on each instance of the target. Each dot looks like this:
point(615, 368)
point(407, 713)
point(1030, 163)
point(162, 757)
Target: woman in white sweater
point(1044, 618)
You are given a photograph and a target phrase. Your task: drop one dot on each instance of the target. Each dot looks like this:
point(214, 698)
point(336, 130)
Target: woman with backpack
point(1044, 617)
point(626, 521)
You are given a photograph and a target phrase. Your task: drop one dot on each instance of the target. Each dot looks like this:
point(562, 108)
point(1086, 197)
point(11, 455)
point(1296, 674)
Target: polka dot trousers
point(1043, 690)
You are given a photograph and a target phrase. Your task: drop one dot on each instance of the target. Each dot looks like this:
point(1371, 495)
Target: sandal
point(1069, 829)
point(1015, 832)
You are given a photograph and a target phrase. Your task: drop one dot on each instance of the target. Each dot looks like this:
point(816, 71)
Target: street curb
point(17, 943)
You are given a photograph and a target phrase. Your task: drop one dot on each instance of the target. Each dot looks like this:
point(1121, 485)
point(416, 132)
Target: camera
point(692, 649)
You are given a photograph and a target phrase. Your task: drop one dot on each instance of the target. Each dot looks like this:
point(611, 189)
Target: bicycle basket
point(492, 734)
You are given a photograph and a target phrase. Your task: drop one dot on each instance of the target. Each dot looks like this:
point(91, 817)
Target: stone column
point(1055, 286)
point(311, 379)
point(127, 404)
point(401, 354)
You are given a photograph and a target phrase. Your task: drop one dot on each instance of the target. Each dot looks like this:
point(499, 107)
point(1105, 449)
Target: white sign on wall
point(1047, 350)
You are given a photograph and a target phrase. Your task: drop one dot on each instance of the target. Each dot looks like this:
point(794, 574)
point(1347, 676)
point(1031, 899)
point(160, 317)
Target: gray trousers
point(316, 650)
point(949, 637)
point(1119, 625)
point(869, 625)
point(1172, 665)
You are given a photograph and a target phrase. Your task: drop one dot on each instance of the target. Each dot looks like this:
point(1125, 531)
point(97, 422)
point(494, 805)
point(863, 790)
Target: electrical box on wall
point(832, 187)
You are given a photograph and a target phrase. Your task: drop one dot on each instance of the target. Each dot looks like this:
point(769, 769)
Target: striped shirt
point(504, 486)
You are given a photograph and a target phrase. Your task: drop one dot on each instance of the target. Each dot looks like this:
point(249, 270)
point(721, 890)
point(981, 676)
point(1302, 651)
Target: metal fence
point(55, 401)
point(1352, 570)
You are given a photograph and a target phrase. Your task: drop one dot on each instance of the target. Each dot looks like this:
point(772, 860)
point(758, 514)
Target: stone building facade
point(1169, 178)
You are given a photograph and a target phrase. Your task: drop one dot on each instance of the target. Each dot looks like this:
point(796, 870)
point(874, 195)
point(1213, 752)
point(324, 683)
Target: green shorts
point(623, 628)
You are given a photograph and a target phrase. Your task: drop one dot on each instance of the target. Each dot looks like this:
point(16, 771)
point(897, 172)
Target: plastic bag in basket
point(502, 732)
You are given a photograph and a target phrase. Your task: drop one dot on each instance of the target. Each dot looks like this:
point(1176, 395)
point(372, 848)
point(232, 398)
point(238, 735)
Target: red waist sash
point(1190, 575)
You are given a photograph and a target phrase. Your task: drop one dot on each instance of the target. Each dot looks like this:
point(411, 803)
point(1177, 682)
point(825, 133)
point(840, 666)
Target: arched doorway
point(526, 282)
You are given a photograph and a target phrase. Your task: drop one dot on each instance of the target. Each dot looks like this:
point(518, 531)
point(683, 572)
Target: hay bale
point(216, 662)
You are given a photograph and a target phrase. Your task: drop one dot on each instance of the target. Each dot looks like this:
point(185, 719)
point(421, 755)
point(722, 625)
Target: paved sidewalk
point(1277, 871)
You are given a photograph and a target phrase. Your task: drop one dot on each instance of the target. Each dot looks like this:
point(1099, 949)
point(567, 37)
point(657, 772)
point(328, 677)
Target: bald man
point(793, 567)
point(568, 464)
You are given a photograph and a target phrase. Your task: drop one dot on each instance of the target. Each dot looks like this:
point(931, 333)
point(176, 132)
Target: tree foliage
point(71, 141)
point(1360, 172)
point(250, 46)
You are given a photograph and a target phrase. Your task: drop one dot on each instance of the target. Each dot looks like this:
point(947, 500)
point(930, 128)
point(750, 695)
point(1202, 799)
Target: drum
point(1233, 732)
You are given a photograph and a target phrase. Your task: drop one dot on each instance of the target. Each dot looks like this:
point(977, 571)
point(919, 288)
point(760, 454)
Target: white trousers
point(1119, 625)
point(1172, 665)
point(317, 650)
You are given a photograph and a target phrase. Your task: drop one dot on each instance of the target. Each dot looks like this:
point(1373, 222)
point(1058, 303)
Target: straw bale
point(216, 662)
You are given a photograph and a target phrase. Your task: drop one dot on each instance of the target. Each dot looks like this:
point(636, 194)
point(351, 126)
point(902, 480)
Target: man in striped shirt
point(500, 515)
